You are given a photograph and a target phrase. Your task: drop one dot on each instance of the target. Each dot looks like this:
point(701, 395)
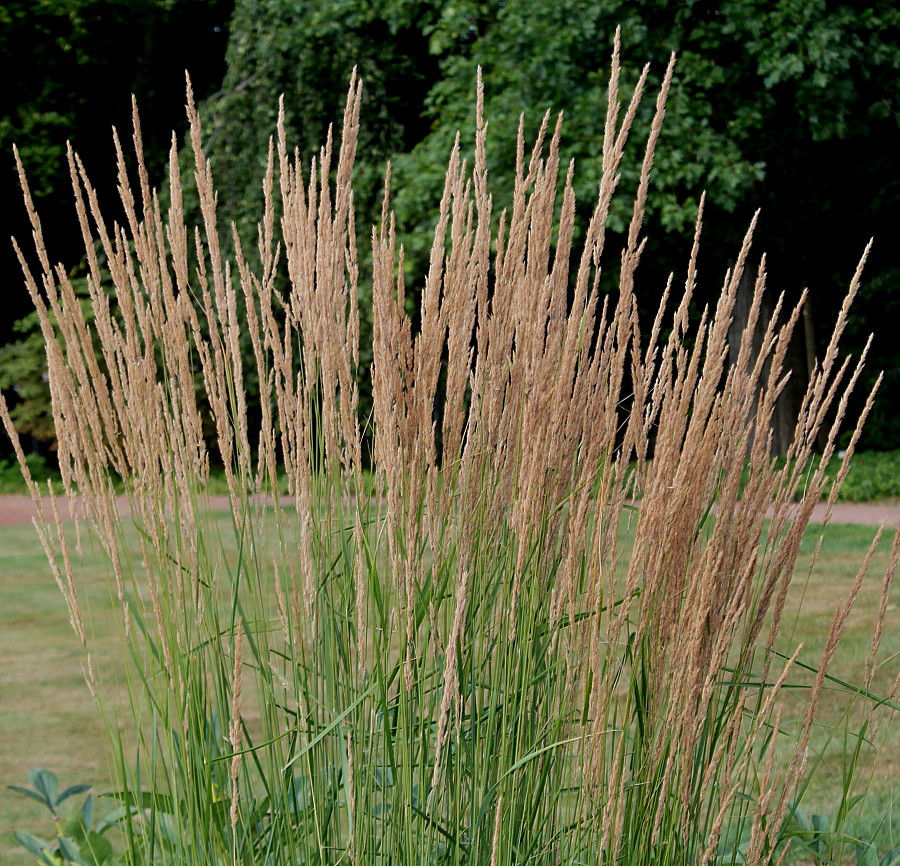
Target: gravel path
point(16, 510)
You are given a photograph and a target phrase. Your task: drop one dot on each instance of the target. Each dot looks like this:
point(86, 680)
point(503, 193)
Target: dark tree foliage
point(789, 106)
point(792, 106)
point(306, 51)
point(69, 68)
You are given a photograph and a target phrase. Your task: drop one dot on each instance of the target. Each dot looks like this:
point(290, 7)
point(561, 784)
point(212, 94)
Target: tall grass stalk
point(461, 664)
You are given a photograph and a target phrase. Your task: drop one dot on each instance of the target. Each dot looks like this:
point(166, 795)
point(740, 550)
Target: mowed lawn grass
point(49, 719)
point(47, 715)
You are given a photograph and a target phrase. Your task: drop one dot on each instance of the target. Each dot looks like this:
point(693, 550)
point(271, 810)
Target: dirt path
point(15, 510)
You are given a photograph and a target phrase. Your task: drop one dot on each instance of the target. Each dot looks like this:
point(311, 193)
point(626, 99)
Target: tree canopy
point(791, 106)
point(69, 68)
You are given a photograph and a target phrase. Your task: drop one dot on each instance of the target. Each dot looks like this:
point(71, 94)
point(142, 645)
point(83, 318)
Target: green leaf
point(114, 819)
point(320, 736)
point(892, 858)
point(96, 849)
point(69, 851)
point(855, 801)
point(878, 701)
point(87, 813)
point(866, 855)
point(169, 831)
point(821, 823)
point(144, 800)
point(72, 791)
point(384, 776)
point(802, 819)
point(35, 846)
point(748, 798)
point(492, 791)
point(29, 793)
point(259, 810)
point(45, 783)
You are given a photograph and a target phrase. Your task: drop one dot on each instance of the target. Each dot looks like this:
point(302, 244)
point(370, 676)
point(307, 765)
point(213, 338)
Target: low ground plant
point(457, 663)
point(873, 476)
point(11, 481)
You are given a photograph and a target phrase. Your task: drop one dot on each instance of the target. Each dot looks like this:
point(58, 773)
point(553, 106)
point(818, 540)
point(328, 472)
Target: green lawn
point(48, 718)
point(819, 591)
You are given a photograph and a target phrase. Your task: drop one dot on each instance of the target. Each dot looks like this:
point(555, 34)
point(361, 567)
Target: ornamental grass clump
point(467, 660)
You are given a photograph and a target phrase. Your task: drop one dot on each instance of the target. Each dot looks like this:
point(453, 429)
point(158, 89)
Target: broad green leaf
point(892, 858)
point(96, 849)
point(259, 810)
point(114, 819)
point(69, 851)
point(29, 793)
point(72, 791)
point(855, 801)
point(802, 818)
point(35, 846)
point(45, 783)
point(87, 812)
point(821, 823)
point(170, 832)
point(384, 777)
point(866, 855)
